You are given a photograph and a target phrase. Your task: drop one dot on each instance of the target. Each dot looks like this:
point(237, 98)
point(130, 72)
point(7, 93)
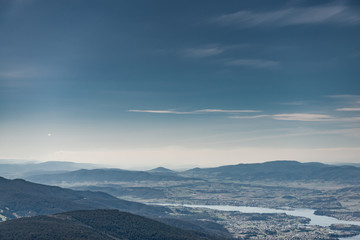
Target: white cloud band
point(193, 112)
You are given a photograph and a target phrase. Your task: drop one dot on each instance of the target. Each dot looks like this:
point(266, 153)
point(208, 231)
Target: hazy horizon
point(179, 167)
point(180, 83)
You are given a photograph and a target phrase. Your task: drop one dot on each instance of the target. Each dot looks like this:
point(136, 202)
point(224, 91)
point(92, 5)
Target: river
point(299, 212)
point(323, 221)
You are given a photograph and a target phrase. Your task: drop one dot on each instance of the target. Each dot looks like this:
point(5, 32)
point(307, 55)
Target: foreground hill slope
point(93, 224)
point(280, 171)
point(21, 198)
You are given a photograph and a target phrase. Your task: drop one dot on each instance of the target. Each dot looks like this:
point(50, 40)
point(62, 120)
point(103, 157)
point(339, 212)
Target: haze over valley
point(203, 200)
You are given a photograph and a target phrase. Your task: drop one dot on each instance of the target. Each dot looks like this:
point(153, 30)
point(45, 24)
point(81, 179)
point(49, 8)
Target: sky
point(138, 84)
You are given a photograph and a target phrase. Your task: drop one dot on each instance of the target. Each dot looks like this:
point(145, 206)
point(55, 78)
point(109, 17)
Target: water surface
point(323, 221)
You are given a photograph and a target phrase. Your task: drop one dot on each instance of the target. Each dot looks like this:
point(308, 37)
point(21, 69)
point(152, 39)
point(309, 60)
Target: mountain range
point(273, 171)
point(279, 171)
point(105, 175)
point(21, 170)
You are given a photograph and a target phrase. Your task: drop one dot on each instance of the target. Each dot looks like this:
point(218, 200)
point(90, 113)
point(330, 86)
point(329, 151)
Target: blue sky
point(179, 83)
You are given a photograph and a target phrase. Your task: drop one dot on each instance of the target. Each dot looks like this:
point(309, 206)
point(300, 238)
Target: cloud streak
point(334, 13)
point(255, 63)
point(203, 52)
point(250, 117)
point(305, 117)
point(344, 96)
point(158, 111)
point(193, 112)
point(348, 109)
point(225, 111)
point(209, 50)
point(302, 117)
point(215, 50)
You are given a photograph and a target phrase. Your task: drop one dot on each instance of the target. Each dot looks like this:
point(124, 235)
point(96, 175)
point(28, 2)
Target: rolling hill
point(104, 175)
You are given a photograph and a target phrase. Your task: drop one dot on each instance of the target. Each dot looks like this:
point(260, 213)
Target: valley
point(333, 196)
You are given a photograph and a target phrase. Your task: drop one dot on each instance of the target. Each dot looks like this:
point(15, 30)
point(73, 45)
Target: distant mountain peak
point(161, 169)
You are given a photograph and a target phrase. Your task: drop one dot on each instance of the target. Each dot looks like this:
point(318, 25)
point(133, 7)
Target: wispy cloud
point(294, 103)
point(17, 78)
point(193, 112)
point(348, 109)
point(203, 51)
point(24, 76)
point(20, 73)
point(158, 111)
point(225, 111)
point(210, 50)
point(334, 13)
point(250, 117)
point(345, 96)
point(215, 50)
point(255, 63)
point(352, 101)
point(303, 117)
point(307, 117)
point(350, 119)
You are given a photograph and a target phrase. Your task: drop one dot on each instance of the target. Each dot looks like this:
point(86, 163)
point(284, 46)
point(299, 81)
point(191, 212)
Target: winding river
point(323, 221)
point(299, 212)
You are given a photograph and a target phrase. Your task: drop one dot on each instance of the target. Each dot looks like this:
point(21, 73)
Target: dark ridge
point(94, 225)
point(22, 198)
